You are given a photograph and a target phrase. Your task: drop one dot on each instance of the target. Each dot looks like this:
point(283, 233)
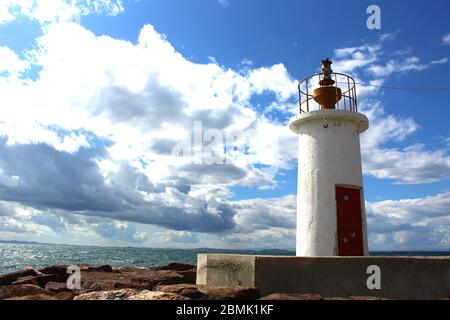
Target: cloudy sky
point(107, 106)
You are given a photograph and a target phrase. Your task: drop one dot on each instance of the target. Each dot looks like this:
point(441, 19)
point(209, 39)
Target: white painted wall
point(327, 157)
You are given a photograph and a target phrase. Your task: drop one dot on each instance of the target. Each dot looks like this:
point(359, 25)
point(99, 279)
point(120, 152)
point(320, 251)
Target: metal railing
point(346, 83)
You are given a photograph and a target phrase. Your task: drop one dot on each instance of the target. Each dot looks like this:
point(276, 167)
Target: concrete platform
point(400, 277)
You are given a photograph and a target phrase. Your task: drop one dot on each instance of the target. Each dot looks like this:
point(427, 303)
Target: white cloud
point(99, 122)
point(403, 51)
point(93, 135)
point(410, 164)
point(172, 237)
point(405, 164)
point(439, 61)
point(446, 39)
point(423, 208)
point(406, 224)
point(353, 58)
point(408, 64)
point(278, 238)
point(224, 3)
point(19, 220)
point(389, 36)
point(5, 14)
point(246, 62)
point(120, 231)
point(25, 132)
point(410, 224)
point(260, 214)
point(11, 63)
point(275, 79)
point(46, 11)
point(153, 83)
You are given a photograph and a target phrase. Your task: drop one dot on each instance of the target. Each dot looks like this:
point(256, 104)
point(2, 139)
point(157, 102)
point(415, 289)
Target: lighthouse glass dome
point(343, 89)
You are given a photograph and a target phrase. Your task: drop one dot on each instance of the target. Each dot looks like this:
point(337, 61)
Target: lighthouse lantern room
point(331, 218)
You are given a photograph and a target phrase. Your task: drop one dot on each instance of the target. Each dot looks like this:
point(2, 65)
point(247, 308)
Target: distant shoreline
point(249, 251)
point(20, 242)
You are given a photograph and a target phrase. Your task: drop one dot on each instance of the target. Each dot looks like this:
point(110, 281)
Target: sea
point(17, 256)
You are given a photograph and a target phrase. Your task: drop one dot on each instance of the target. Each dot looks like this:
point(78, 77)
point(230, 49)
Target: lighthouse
point(331, 219)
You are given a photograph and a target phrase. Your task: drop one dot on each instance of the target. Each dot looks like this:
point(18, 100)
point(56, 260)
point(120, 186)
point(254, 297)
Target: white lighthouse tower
point(331, 218)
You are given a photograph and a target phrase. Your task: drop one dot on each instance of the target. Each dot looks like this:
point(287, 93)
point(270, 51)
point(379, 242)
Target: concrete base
point(400, 277)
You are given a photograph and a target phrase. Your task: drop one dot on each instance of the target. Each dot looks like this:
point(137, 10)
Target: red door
point(349, 221)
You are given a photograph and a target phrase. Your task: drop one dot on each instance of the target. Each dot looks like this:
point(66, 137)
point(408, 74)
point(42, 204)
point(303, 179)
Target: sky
point(163, 123)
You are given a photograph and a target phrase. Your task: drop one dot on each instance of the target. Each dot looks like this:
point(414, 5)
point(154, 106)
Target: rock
point(187, 290)
point(291, 296)
point(123, 269)
point(104, 268)
point(65, 295)
point(104, 281)
point(56, 287)
point(229, 293)
point(189, 276)
point(177, 267)
point(122, 294)
point(34, 297)
point(98, 268)
point(294, 296)
point(9, 278)
point(205, 292)
point(59, 271)
point(163, 277)
point(152, 277)
point(21, 290)
point(55, 269)
point(61, 275)
point(142, 279)
point(355, 298)
point(156, 295)
point(107, 281)
point(129, 294)
point(188, 271)
point(39, 280)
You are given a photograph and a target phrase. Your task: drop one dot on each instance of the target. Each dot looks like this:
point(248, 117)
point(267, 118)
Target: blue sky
point(96, 95)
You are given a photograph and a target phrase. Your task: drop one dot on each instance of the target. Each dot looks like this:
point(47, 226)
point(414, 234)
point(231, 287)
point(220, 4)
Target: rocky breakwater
point(175, 281)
